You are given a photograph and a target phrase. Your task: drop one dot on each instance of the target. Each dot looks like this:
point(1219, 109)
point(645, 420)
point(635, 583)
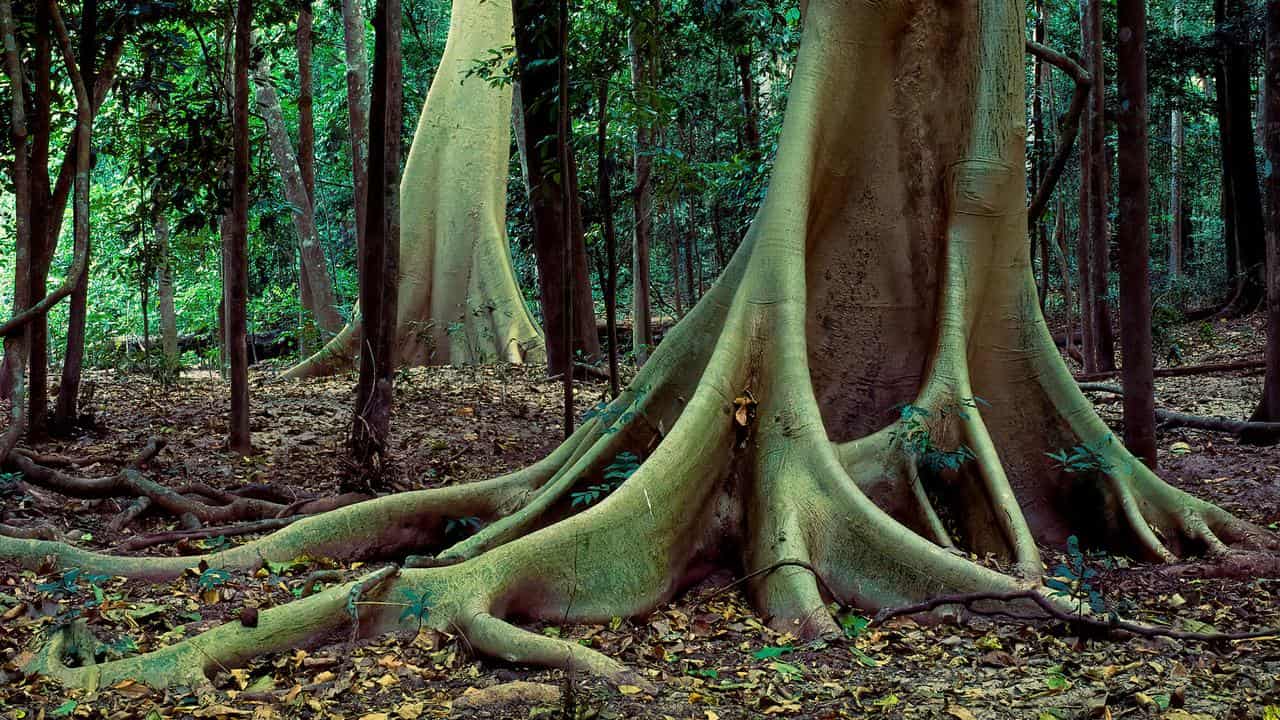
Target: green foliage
point(68, 584)
point(212, 578)
point(1076, 578)
point(417, 606)
point(462, 527)
point(615, 473)
point(916, 433)
point(1085, 458)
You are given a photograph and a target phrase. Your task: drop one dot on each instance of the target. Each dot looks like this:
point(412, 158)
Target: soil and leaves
point(707, 654)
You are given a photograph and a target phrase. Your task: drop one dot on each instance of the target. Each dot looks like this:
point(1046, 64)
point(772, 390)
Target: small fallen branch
point(194, 504)
point(1170, 419)
point(145, 541)
point(770, 568)
point(1111, 626)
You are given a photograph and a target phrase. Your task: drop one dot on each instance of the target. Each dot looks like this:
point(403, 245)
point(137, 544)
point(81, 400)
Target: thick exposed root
point(382, 527)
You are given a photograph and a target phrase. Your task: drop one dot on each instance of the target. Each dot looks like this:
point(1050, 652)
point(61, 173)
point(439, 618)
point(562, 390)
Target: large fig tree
point(869, 387)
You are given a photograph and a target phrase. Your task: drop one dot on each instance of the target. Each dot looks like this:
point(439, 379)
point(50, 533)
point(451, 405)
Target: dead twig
point(1110, 626)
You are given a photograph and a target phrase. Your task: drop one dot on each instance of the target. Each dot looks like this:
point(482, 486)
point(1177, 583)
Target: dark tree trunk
point(1177, 139)
point(1084, 241)
point(561, 269)
point(1239, 162)
point(1269, 408)
point(673, 255)
point(42, 238)
point(1133, 232)
point(306, 142)
point(642, 77)
point(568, 199)
point(15, 345)
point(604, 164)
point(357, 62)
point(66, 412)
point(1103, 348)
point(235, 255)
point(1041, 234)
point(380, 256)
point(750, 102)
point(690, 253)
point(306, 102)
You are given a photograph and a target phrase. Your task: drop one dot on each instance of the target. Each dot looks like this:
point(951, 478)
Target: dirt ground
point(706, 653)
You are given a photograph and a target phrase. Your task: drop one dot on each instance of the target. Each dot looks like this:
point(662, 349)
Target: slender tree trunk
point(568, 198)
point(1242, 170)
point(561, 269)
point(306, 101)
point(357, 59)
point(1228, 203)
point(1177, 136)
point(49, 206)
point(1134, 234)
point(42, 238)
point(306, 150)
point(235, 254)
point(66, 412)
point(1084, 240)
point(673, 256)
point(750, 101)
point(641, 49)
point(690, 254)
point(1103, 348)
point(1041, 79)
point(168, 313)
point(379, 256)
point(15, 344)
point(604, 165)
point(319, 298)
point(1268, 409)
point(1060, 238)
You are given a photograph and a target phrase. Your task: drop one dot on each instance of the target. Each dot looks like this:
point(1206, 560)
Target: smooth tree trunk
point(379, 257)
point(357, 72)
point(562, 267)
point(1268, 409)
point(66, 413)
point(459, 300)
point(235, 252)
point(1133, 232)
point(796, 426)
point(318, 296)
point(643, 56)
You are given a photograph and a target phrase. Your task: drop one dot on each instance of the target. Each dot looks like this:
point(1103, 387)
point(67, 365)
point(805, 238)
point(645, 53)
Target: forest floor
point(707, 654)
